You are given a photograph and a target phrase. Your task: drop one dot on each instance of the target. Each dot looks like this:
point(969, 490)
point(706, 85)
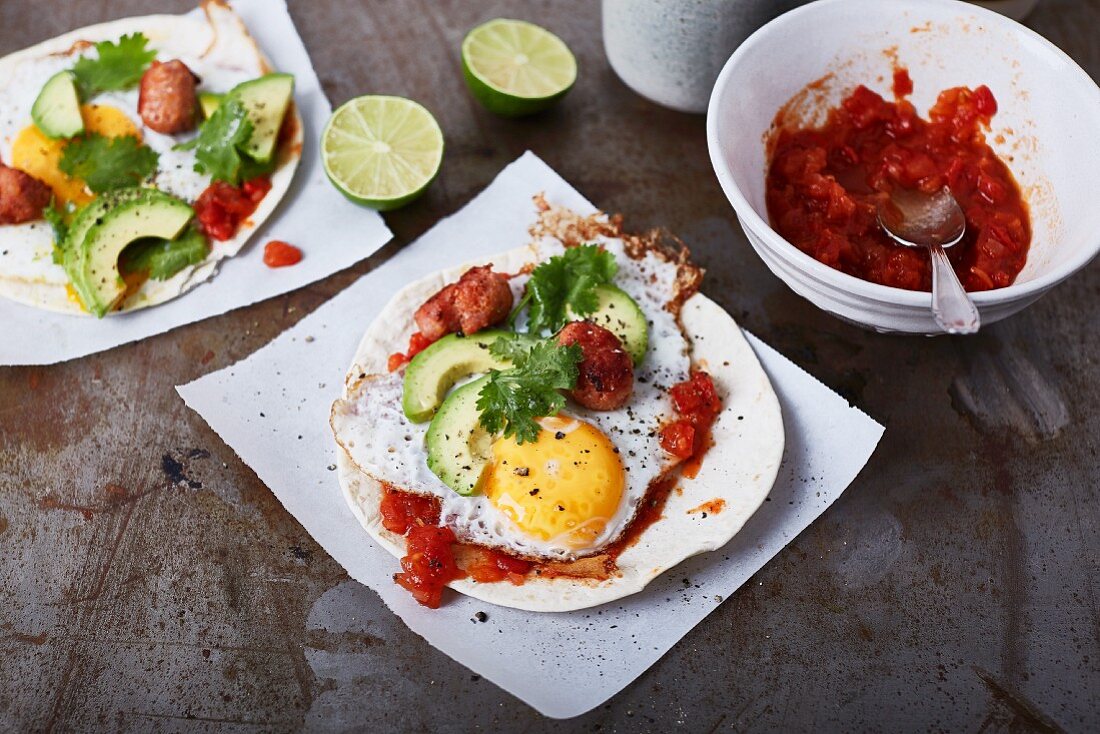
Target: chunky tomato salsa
point(824, 184)
point(431, 550)
point(222, 207)
point(697, 405)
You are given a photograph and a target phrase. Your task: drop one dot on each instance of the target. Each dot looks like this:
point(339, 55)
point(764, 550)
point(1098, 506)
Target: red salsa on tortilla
point(222, 207)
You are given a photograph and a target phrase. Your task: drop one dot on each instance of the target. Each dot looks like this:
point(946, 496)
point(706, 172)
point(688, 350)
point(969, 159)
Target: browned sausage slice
point(22, 196)
point(436, 317)
point(482, 299)
point(606, 372)
point(478, 300)
point(167, 101)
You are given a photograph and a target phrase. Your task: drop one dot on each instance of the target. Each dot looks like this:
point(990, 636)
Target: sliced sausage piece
point(606, 372)
point(167, 101)
point(22, 196)
point(480, 299)
point(436, 317)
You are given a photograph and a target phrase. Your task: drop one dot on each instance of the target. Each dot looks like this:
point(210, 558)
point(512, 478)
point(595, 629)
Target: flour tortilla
point(218, 35)
point(739, 469)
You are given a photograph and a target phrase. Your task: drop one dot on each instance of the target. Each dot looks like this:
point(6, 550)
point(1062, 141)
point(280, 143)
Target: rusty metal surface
point(149, 581)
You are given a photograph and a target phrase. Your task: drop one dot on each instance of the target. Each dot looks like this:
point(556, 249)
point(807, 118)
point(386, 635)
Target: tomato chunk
point(279, 254)
point(395, 362)
point(402, 511)
point(984, 101)
point(221, 207)
point(429, 564)
point(696, 395)
point(903, 85)
point(697, 403)
point(678, 438)
point(417, 344)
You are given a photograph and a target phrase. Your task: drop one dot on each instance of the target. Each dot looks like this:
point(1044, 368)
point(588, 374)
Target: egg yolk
point(34, 153)
point(565, 487)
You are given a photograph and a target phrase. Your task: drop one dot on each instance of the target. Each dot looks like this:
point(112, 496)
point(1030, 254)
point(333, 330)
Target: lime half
point(381, 152)
point(516, 68)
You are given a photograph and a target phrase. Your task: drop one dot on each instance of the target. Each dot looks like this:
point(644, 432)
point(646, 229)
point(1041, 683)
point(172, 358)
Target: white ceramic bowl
point(1046, 128)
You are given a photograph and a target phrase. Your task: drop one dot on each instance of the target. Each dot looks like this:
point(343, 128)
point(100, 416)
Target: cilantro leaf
point(219, 142)
point(512, 398)
point(161, 258)
point(567, 281)
point(514, 347)
point(108, 163)
point(117, 66)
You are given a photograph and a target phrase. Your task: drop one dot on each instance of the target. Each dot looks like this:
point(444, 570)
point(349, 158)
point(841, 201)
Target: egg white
point(372, 427)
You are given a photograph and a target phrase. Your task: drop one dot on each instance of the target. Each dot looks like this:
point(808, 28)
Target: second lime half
point(516, 68)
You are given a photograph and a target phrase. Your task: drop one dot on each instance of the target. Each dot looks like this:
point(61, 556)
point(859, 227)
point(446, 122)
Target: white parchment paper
point(332, 232)
point(273, 409)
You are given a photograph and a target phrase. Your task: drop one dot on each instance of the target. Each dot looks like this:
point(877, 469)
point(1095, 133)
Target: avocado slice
point(56, 110)
point(434, 371)
point(94, 269)
point(71, 253)
point(266, 99)
point(459, 449)
point(620, 314)
point(210, 102)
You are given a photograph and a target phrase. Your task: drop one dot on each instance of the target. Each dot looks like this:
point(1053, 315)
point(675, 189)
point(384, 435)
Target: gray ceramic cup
point(670, 51)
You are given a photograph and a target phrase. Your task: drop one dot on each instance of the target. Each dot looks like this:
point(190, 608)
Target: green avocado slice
point(434, 371)
point(266, 100)
point(56, 110)
point(103, 230)
point(459, 449)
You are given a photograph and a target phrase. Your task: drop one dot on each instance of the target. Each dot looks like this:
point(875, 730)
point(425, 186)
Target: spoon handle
point(952, 307)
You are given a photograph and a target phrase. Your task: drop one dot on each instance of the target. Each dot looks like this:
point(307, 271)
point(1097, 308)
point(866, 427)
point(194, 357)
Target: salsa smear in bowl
point(824, 184)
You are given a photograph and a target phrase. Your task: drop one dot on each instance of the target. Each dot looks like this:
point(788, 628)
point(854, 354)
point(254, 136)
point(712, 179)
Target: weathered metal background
point(149, 581)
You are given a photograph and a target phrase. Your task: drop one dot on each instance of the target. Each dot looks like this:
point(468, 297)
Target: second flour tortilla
point(216, 34)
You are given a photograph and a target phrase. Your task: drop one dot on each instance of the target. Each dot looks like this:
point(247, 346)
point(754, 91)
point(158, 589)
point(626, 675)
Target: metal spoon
point(936, 222)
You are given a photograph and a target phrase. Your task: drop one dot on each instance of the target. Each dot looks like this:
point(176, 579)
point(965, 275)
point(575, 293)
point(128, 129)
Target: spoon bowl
point(915, 219)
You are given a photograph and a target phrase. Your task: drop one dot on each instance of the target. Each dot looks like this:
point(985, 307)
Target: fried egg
point(577, 488)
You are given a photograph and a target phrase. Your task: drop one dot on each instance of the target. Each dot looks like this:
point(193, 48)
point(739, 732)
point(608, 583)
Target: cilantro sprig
point(220, 143)
point(108, 163)
point(512, 399)
point(116, 66)
point(565, 283)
